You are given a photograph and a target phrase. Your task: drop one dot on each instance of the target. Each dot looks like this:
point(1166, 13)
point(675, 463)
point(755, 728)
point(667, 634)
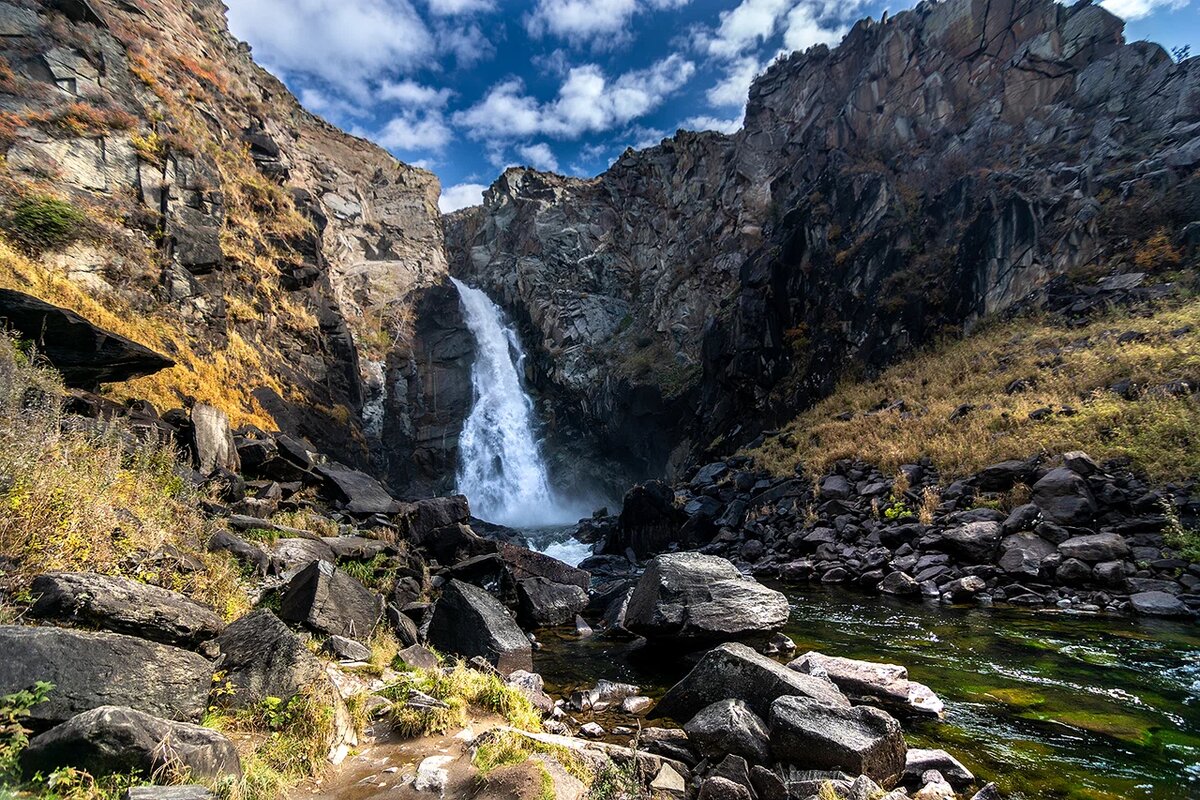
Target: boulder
point(90, 670)
point(469, 622)
point(111, 740)
point(649, 521)
point(1158, 604)
point(454, 543)
point(1022, 554)
point(84, 354)
point(1095, 547)
point(734, 671)
point(325, 599)
point(860, 740)
point(974, 542)
point(1064, 497)
point(248, 553)
point(918, 761)
point(261, 657)
point(542, 602)
point(212, 441)
point(900, 584)
point(347, 649)
point(122, 605)
point(718, 788)
point(524, 563)
point(359, 493)
point(1003, 476)
point(697, 598)
point(418, 518)
point(729, 727)
point(886, 684)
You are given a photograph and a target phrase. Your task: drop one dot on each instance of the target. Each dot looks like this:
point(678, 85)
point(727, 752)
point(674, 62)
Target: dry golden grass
point(1158, 433)
point(78, 498)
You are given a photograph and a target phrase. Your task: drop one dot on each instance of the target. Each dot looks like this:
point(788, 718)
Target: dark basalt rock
point(1064, 497)
point(85, 355)
point(90, 670)
point(325, 599)
point(649, 521)
point(729, 727)
point(542, 602)
point(261, 657)
point(359, 493)
point(122, 605)
point(469, 622)
point(117, 740)
point(860, 740)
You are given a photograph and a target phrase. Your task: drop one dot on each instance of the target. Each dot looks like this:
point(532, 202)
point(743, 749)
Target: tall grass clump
point(81, 495)
point(459, 689)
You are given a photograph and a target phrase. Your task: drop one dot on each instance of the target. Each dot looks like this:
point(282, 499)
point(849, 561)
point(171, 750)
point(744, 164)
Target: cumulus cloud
point(733, 88)
point(411, 93)
point(599, 22)
point(709, 123)
point(319, 102)
point(539, 156)
point(1136, 9)
point(415, 130)
point(460, 195)
point(587, 102)
point(803, 29)
point(344, 42)
point(467, 44)
point(447, 8)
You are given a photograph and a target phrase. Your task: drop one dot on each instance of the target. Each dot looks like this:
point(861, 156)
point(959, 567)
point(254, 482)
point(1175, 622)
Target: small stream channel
point(1048, 705)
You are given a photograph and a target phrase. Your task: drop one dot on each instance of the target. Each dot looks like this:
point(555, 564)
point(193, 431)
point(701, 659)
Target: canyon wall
point(934, 169)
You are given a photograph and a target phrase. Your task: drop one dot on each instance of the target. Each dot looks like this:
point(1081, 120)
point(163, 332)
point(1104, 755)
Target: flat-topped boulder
point(118, 740)
point(733, 671)
point(90, 670)
point(123, 605)
point(469, 622)
point(359, 493)
point(887, 684)
point(700, 598)
point(860, 740)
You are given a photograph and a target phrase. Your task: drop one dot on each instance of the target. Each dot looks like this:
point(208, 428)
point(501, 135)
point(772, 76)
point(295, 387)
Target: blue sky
point(466, 88)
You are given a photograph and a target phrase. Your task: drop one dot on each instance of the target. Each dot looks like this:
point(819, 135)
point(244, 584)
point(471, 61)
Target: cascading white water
point(501, 470)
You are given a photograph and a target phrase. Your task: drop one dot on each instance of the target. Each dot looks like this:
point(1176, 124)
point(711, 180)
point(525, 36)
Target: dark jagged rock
point(325, 599)
point(83, 353)
point(261, 657)
point(698, 598)
point(734, 671)
point(1064, 497)
point(861, 740)
point(469, 622)
point(524, 563)
point(122, 605)
point(419, 518)
point(90, 670)
point(112, 740)
point(729, 727)
point(649, 521)
point(360, 493)
point(542, 602)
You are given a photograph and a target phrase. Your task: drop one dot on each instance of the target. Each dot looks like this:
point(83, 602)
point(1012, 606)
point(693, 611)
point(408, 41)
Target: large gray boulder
point(698, 598)
point(115, 739)
point(860, 740)
point(359, 493)
point(885, 684)
point(1095, 547)
point(90, 670)
point(729, 727)
point(1022, 554)
point(1064, 497)
point(974, 542)
point(261, 657)
point(417, 519)
point(1158, 604)
point(542, 602)
point(469, 622)
point(325, 599)
point(734, 671)
point(122, 605)
point(523, 563)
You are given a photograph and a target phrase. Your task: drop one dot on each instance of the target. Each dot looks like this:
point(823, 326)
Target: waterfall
point(501, 470)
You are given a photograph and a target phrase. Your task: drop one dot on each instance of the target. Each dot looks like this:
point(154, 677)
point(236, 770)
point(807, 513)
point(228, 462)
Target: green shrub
point(14, 710)
point(42, 222)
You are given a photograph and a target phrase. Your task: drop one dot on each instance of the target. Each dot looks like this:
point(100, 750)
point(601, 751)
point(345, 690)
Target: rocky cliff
point(200, 211)
point(935, 168)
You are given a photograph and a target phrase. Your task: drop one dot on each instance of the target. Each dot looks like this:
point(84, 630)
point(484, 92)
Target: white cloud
point(460, 196)
point(539, 156)
point(322, 103)
point(732, 89)
point(804, 29)
point(467, 44)
point(599, 22)
point(344, 42)
point(708, 123)
point(413, 130)
point(411, 93)
point(446, 8)
point(1136, 9)
point(745, 27)
point(587, 102)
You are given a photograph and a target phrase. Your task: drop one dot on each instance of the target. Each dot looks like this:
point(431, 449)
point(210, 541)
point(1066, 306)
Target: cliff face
point(273, 257)
point(933, 169)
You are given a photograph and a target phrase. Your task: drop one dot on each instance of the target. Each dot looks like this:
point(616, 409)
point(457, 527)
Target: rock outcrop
point(938, 166)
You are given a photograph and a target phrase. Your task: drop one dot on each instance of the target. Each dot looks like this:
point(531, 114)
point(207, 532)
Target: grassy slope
point(1158, 433)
